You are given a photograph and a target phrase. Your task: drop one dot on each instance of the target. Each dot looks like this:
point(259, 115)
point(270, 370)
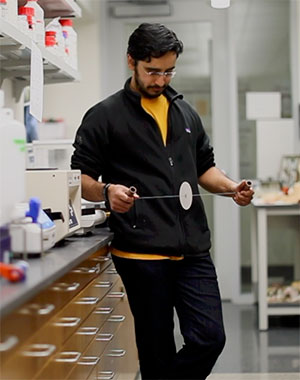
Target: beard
point(157, 90)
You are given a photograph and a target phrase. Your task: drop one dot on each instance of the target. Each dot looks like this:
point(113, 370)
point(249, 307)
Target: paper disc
point(185, 195)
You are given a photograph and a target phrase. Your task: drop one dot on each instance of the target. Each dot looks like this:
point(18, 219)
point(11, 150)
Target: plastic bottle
point(40, 21)
point(50, 41)
point(54, 26)
point(3, 9)
point(12, 162)
point(70, 37)
point(26, 21)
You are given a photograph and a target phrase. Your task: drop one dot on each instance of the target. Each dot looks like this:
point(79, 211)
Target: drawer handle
point(88, 360)
point(87, 331)
point(100, 258)
point(117, 353)
point(68, 357)
point(67, 322)
point(87, 270)
point(103, 284)
point(103, 337)
point(105, 375)
point(112, 271)
point(9, 343)
point(103, 310)
point(39, 350)
point(116, 295)
point(116, 318)
point(65, 287)
point(36, 309)
point(87, 301)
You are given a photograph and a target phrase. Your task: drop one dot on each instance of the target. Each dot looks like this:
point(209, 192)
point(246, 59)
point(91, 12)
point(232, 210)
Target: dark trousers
point(154, 288)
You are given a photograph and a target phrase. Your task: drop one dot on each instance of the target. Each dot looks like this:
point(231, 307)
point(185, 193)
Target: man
point(148, 137)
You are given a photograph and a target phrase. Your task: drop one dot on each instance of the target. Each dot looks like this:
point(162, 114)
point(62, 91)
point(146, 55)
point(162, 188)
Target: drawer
point(110, 361)
point(69, 285)
point(84, 368)
point(106, 307)
point(32, 315)
point(80, 340)
point(27, 361)
point(60, 366)
point(37, 313)
point(66, 322)
point(106, 333)
point(66, 361)
point(101, 252)
point(103, 283)
point(83, 273)
point(100, 257)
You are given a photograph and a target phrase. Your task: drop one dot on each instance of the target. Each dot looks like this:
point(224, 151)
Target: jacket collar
point(170, 93)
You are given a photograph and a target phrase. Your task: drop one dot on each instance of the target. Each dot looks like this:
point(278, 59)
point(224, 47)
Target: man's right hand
point(120, 198)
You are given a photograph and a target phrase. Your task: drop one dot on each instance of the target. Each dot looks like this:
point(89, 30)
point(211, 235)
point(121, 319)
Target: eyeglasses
point(166, 74)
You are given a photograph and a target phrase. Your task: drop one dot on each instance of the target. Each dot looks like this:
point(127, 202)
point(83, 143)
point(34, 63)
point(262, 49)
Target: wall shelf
point(55, 8)
point(15, 53)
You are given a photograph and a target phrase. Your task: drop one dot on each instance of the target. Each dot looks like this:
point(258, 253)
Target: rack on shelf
point(15, 51)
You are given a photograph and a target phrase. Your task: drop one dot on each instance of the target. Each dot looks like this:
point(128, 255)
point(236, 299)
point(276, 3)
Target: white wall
point(295, 66)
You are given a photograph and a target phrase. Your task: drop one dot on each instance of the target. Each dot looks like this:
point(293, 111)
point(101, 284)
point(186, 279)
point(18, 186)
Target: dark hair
point(152, 40)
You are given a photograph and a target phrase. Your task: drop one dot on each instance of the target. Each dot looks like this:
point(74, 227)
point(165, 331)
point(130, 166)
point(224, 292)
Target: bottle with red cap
point(3, 9)
point(9, 10)
point(50, 41)
point(39, 20)
point(70, 38)
point(54, 26)
point(26, 21)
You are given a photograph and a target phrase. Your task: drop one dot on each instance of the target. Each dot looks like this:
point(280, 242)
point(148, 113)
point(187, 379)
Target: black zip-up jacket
point(120, 141)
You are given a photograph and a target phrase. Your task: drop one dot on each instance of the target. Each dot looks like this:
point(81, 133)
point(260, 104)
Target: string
point(177, 196)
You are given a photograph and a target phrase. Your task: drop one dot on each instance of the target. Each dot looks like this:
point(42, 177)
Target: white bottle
point(12, 162)
point(12, 11)
point(70, 37)
point(27, 22)
point(54, 26)
point(50, 42)
point(39, 19)
point(3, 9)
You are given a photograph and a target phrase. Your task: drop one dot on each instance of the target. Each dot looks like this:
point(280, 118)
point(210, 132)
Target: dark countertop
point(43, 271)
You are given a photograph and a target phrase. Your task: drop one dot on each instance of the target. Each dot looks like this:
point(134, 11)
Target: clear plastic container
point(39, 21)
point(12, 162)
point(70, 37)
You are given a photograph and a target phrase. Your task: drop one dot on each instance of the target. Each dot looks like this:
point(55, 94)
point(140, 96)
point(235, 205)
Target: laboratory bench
point(70, 318)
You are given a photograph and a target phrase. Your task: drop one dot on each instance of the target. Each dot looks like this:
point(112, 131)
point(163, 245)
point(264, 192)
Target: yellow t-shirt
point(158, 109)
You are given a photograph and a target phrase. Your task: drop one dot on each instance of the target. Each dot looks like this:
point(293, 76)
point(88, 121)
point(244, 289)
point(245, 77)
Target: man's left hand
point(244, 194)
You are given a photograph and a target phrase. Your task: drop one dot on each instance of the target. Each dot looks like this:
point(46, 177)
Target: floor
point(253, 355)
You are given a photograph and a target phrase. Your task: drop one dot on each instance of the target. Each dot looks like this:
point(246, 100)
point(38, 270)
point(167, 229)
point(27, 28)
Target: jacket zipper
point(181, 239)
